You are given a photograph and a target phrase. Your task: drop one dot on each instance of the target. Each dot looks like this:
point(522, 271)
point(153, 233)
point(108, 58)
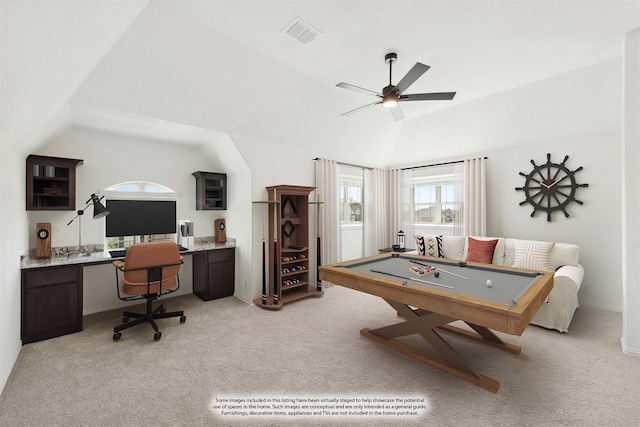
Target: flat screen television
point(140, 217)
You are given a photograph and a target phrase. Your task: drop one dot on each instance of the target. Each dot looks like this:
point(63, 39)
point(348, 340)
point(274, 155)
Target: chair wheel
point(116, 336)
point(125, 319)
point(183, 319)
point(163, 310)
point(157, 336)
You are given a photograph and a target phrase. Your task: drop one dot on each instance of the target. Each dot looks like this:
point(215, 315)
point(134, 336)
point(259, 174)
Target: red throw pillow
point(481, 250)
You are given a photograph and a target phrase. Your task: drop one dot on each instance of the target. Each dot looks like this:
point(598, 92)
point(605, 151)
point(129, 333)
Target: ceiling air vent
point(301, 31)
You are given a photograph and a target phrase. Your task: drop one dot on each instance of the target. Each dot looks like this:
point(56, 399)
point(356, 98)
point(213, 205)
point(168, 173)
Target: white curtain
point(327, 192)
point(395, 204)
point(375, 214)
point(383, 209)
point(459, 191)
point(475, 209)
point(402, 181)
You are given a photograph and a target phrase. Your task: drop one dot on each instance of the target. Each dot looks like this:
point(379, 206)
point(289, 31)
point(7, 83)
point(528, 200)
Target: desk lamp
point(99, 211)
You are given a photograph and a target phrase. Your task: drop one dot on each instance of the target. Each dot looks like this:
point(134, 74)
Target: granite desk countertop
point(95, 254)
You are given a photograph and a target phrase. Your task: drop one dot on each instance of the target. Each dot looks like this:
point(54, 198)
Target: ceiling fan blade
point(397, 113)
point(438, 96)
point(358, 89)
point(413, 75)
point(364, 107)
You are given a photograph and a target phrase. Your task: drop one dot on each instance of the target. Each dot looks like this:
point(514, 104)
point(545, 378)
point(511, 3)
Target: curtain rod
point(437, 164)
point(404, 169)
point(349, 164)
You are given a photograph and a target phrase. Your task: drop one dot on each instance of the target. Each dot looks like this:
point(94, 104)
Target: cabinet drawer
point(220, 255)
point(51, 276)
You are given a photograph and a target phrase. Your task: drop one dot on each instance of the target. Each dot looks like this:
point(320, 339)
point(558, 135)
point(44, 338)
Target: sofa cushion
point(498, 251)
point(419, 243)
point(480, 250)
point(453, 247)
point(532, 254)
point(429, 245)
point(564, 254)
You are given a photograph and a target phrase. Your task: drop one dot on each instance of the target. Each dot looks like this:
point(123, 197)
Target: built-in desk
point(52, 288)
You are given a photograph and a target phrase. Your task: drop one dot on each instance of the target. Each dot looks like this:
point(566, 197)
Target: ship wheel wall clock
point(551, 187)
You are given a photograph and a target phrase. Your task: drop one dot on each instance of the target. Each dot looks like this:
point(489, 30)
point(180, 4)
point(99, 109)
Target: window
point(139, 187)
point(435, 203)
point(351, 197)
point(137, 190)
point(434, 199)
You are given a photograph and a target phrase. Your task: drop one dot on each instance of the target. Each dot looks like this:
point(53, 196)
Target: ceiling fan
point(391, 95)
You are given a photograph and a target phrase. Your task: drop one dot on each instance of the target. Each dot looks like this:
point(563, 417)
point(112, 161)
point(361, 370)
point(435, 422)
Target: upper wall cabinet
point(211, 190)
point(51, 183)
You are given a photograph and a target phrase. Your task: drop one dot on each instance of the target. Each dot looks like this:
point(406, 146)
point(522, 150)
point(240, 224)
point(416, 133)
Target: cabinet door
point(51, 303)
point(221, 279)
point(214, 273)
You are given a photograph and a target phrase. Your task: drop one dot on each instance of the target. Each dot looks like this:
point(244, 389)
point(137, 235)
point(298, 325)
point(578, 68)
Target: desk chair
point(149, 271)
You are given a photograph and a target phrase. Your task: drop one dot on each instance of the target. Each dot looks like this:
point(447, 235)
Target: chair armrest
point(568, 279)
point(118, 264)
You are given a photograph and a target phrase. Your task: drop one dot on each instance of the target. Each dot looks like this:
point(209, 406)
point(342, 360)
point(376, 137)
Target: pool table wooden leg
point(425, 323)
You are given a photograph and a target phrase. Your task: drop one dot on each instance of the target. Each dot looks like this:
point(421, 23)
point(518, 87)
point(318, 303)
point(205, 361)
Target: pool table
point(430, 293)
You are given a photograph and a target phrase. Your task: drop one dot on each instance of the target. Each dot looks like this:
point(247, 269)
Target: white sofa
point(563, 258)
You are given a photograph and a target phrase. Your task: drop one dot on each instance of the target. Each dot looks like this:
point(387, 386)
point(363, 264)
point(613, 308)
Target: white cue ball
point(489, 284)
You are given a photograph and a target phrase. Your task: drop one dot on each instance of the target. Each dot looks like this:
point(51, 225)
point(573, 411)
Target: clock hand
point(557, 181)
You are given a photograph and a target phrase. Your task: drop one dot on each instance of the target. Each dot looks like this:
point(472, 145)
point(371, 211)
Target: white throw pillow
point(453, 246)
point(532, 254)
point(564, 254)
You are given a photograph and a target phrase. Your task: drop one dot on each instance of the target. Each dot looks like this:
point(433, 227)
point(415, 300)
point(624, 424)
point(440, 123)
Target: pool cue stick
point(276, 230)
point(452, 274)
point(439, 269)
point(264, 261)
point(318, 244)
point(412, 278)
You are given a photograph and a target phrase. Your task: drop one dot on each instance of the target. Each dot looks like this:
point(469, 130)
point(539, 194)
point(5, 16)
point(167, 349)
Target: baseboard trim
point(629, 350)
point(601, 306)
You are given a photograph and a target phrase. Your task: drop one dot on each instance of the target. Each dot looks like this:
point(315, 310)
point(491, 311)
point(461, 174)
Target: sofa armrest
point(568, 279)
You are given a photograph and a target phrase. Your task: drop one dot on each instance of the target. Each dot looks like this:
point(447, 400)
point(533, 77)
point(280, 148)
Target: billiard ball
point(437, 274)
point(489, 283)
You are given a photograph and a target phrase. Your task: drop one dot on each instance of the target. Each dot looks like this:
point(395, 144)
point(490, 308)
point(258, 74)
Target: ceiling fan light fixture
point(389, 96)
point(390, 101)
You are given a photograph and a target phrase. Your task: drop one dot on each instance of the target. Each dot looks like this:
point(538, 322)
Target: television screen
point(140, 217)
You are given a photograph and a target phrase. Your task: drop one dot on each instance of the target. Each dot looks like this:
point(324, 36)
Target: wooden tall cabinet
point(288, 241)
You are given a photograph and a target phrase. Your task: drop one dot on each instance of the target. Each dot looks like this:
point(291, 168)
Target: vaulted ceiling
point(178, 70)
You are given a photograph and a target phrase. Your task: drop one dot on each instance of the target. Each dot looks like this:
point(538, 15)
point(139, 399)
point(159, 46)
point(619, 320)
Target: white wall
point(631, 207)
point(12, 244)
point(577, 114)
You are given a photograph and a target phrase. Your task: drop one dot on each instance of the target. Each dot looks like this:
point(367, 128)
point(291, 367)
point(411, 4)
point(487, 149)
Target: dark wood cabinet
point(51, 302)
point(51, 183)
point(214, 273)
point(211, 190)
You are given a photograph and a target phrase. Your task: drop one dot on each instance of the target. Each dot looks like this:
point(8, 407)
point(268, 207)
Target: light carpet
point(313, 349)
